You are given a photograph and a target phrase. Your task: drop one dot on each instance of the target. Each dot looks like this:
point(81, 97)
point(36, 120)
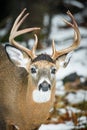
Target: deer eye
point(33, 70)
point(53, 70)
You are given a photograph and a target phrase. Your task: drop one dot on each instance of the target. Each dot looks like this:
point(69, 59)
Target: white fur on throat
point(40, 96)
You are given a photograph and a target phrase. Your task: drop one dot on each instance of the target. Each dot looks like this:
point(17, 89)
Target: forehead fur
point(43, 57)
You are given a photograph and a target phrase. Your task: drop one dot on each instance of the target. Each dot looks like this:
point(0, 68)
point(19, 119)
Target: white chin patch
point(40, 96)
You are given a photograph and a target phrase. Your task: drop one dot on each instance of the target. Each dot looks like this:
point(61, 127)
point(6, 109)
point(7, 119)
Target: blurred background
point(41, 15)
point(70, 106)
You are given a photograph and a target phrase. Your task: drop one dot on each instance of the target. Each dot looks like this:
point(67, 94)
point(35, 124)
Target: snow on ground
point(57, 127)
point(68, 126)
point(79, 96)
point(70, 110)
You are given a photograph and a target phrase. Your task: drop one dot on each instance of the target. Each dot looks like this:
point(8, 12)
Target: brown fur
point(16, 104)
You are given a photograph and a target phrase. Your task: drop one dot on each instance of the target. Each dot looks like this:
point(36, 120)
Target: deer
point(27, 80)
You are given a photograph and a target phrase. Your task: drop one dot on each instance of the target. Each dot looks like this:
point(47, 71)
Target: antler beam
point(76, 42)
point(14, 33)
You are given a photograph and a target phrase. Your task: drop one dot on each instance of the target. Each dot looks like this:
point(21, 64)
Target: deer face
point(43, 73)
point(43, 76)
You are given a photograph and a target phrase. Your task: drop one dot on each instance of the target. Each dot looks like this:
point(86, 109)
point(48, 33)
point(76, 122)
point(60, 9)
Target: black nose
point(45, 86)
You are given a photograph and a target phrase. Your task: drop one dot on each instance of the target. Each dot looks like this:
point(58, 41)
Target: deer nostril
point(40, 86)
point(44, 86)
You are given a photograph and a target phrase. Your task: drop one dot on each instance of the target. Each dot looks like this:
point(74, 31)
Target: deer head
point(41, 68)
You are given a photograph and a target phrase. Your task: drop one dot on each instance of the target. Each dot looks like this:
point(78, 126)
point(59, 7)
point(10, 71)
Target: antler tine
point(20, 22)
point(14, 33)
point(35, 44)
point(18, 18)
point(77, 38)
point(53, 47)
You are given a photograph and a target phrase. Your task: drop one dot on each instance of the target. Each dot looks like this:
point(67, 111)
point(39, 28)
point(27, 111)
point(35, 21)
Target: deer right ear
point(17, 56)
point(63, 60)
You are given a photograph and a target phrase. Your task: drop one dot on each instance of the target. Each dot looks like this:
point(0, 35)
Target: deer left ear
point(17, 57)
point(63, 60)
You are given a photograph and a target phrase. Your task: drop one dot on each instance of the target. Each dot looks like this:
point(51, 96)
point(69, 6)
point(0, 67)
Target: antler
point(76, 42)
point(14, 33)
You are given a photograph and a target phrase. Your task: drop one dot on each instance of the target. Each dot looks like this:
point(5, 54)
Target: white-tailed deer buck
point(27, 80)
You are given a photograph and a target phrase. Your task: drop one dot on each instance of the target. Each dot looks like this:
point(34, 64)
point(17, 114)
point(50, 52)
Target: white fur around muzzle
point(41, 97)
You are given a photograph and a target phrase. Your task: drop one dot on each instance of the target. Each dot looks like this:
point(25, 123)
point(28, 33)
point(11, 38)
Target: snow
point(74, 3)
point(46, 20)
point(57, 127)
point(77, 97)
point(69, 109)
point(82, 120)
point(2, 32)
point(67, 126)
point(5, 30)
point(60, 88)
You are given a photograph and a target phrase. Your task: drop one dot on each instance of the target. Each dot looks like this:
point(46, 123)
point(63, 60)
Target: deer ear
point(64, 59)
point(19, 58)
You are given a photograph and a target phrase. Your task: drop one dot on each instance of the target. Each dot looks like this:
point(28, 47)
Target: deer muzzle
point(44, 86)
